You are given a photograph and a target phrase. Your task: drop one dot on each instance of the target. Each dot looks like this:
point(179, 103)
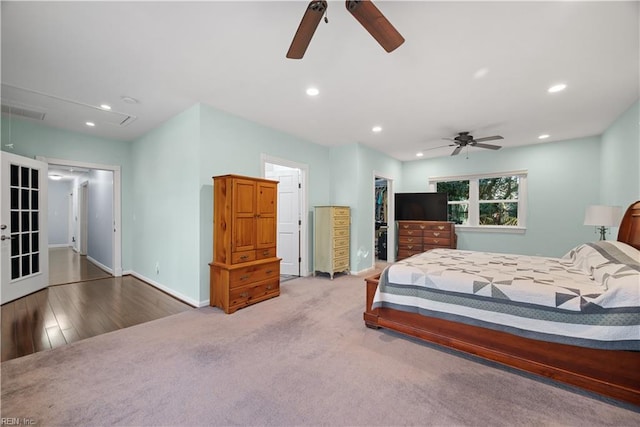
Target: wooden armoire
point(245, 269)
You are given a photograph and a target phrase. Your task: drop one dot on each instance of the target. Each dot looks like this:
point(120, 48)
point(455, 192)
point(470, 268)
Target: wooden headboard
point(629, 232)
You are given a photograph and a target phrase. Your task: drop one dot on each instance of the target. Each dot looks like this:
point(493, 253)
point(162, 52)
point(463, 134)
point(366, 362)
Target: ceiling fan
point(364, 11)
point(465, 140)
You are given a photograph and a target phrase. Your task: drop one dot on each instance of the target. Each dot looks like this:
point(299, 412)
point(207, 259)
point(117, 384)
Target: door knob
point(3, 227)
point(3, 237)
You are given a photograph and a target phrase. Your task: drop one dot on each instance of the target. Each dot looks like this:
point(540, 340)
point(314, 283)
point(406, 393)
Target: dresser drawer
point(244, 256)
point(439, 226)
point(341, 232)
point(253, 273)
point(341, 211)
point(341, 264)
point(266, 253)
point(341, 221)
point(341, 252)
point(437, 241)
point(406, 225)
point(340, 242)
point(409, 240)
point(243, 296)
point(410, 232)
point(410, 247)
point(437, 234)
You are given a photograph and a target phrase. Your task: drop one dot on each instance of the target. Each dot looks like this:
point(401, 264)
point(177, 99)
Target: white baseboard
point(99, 264)
point(169, 291)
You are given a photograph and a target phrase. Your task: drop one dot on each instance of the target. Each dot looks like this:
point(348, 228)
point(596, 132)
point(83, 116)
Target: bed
point(580, 325)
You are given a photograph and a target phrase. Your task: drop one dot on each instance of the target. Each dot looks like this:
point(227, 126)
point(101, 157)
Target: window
point(492, 201)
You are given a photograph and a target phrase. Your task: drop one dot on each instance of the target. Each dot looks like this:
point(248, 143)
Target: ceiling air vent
point(22, 112)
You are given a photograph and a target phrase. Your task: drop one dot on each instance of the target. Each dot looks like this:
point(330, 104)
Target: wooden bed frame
point(612, 373)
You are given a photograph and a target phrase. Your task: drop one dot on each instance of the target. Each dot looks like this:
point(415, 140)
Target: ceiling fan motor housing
point(464, 138)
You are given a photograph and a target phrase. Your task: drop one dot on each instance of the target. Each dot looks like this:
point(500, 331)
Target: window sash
point(473, 219)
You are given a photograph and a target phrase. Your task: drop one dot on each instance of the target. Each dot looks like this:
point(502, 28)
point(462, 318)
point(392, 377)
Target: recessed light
point(543, 136)
point(312, 91)
point(480, 73)
point(557, 88)
point(376, 129)
point(419, 154)
point(90, 124)
point(105, 106)
point(129, 100)
point(55, 177)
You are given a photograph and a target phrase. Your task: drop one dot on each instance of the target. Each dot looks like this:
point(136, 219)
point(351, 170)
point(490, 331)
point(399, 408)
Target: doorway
point(292, 214)
point(384, 231)
point(107, 207)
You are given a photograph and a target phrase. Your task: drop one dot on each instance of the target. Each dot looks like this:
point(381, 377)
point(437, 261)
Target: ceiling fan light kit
point(364, 11)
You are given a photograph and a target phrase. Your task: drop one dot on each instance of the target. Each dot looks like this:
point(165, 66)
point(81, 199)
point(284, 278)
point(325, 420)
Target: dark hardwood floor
point(95, 304)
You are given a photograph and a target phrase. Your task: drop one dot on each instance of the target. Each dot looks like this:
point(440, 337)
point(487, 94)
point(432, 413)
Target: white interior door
point(288, 219)
point(24, 264)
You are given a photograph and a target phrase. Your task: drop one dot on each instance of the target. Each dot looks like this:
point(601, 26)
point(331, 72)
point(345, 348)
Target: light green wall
point(31, 139)
point(563, 179)
point(620, 157)
point(352, 183)
point(165, 209)
point(230, 144)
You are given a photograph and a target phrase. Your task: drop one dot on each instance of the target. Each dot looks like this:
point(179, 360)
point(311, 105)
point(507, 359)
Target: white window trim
point(474, 202)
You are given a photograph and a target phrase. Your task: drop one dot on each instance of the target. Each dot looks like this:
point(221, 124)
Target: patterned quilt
point(589, 297)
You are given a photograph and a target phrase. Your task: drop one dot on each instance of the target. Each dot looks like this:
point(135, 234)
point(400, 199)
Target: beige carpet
point(304, 358)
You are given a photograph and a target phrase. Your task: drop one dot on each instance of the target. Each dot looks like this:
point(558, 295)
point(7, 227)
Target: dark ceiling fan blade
point(457, 150)
point(375, 23)
point(488, 138)
point(489, 146)
point(307, 27)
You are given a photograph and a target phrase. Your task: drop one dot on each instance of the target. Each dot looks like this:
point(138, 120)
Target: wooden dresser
point(245, 269)
point(415, 237)
point(331, 239)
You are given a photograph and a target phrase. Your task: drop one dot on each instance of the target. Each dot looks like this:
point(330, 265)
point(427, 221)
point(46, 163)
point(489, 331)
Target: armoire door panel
point(244, 234)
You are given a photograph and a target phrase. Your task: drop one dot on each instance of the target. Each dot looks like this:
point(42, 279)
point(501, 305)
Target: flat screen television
point(421, 206)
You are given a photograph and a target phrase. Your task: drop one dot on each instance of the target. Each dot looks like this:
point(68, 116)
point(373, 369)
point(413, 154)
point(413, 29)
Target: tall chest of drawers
point(415, 237)
point(245, 269)
point(331, 239)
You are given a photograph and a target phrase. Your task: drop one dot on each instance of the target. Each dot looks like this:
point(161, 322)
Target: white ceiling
point(66, 58)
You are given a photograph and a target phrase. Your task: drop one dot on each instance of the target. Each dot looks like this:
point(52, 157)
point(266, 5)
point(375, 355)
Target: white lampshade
point(601, 215)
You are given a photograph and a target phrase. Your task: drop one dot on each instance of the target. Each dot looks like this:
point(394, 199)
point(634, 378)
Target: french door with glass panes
point(24, 266)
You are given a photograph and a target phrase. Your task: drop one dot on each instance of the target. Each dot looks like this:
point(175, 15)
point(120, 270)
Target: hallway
point(66, 266)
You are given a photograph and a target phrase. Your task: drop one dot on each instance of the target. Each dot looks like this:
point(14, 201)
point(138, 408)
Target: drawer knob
point(436, 234)
point(244, 256)
point(410, 240)
point(435, 240)
point(245, 277)
point(265, 252)
point(269, 271)
point(269, 287)
point(410, 247)
point(410, 232)
point(244, 294)
point(441, 227)
point(422, 226)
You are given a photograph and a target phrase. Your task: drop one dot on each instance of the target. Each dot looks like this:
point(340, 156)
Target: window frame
point(473, 220)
